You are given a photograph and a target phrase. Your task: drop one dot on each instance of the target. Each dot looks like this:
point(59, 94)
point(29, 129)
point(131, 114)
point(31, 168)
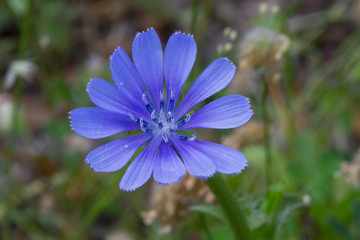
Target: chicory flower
point(142, 100)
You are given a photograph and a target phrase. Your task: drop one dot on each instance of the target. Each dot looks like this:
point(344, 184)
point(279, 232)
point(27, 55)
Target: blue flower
point(140, 100)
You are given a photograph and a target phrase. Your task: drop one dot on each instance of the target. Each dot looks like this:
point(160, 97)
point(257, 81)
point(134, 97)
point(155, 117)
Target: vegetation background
point(298, 62)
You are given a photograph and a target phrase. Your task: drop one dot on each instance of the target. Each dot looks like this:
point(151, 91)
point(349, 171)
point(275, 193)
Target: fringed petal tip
point(147, 30)
point(206, 177)
point(127, 189)
point(130, 188)
point(167, 183)
point(244, 167)
point(229, 62)
point(70, 118)
point(118, 48)
point(88, 85)
point(185, 34)
point(87, 161)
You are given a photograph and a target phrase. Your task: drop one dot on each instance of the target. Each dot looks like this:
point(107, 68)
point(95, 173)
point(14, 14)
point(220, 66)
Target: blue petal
point(148, 59)
point(93, 122)
point(227, 160)
point(141, 168)
point(125, 75)
point(213, 79)
point(168, 166)
point(129, 83)
point(197, 163)
point(226, 112)
point(106, 96)
point(180, 54)
point(114, 155)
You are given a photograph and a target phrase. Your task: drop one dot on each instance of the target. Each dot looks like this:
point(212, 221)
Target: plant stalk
point(268, 160)
point(232, 210)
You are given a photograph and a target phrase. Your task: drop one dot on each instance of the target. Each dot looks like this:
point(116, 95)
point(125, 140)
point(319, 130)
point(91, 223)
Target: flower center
point(163, 123)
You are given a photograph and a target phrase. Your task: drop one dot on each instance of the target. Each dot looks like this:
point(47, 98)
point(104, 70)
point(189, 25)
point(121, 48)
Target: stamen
point(172, 100)
point(132, 116)
point(164, 137)
point(160, 125)
point(144, 98)
point(142, 127)
point(172, 126)
point(168, 119)
point(186, 138)
point(154, 116)
point(192, 138)
point(136, 119)
point(146, 102)
point(143, 124)
point(183, 121)
point(162, 101)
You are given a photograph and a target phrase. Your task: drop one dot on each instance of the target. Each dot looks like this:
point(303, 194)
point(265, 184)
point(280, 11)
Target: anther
point(142, 126)
point(169, 117)
point(192, 138)
point(162, 101)
point(132, 116)
point(183, 121)
point(153, 116)
point(172, 100)
point(172, 125)
point(164, 137)
point(186, 138)
point(146, 102)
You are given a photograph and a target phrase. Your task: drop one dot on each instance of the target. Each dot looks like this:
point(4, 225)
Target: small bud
point(263, 7)
point(233, 35)
point(228, 47)
point(306, 199)
point(23, 68)
point(275, 9)
point(227, 31)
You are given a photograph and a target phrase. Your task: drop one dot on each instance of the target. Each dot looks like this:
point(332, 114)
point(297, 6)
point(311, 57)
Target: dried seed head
point(170, 204)
point(351, 170)
point(262, 47)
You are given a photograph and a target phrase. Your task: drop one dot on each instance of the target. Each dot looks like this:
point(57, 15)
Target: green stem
point(10, 187)
point(268, 160)
point(6, 199)
point(232, 210)
point(204, 225)
point(26, 28)
point(194, 12)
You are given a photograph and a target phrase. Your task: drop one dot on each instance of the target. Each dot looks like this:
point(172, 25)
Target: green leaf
point(273, 198)
point(18, 7)
point(356, 212)
point(288, 205)
point(252, 207)
point(211, 211)
point(339, 227)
